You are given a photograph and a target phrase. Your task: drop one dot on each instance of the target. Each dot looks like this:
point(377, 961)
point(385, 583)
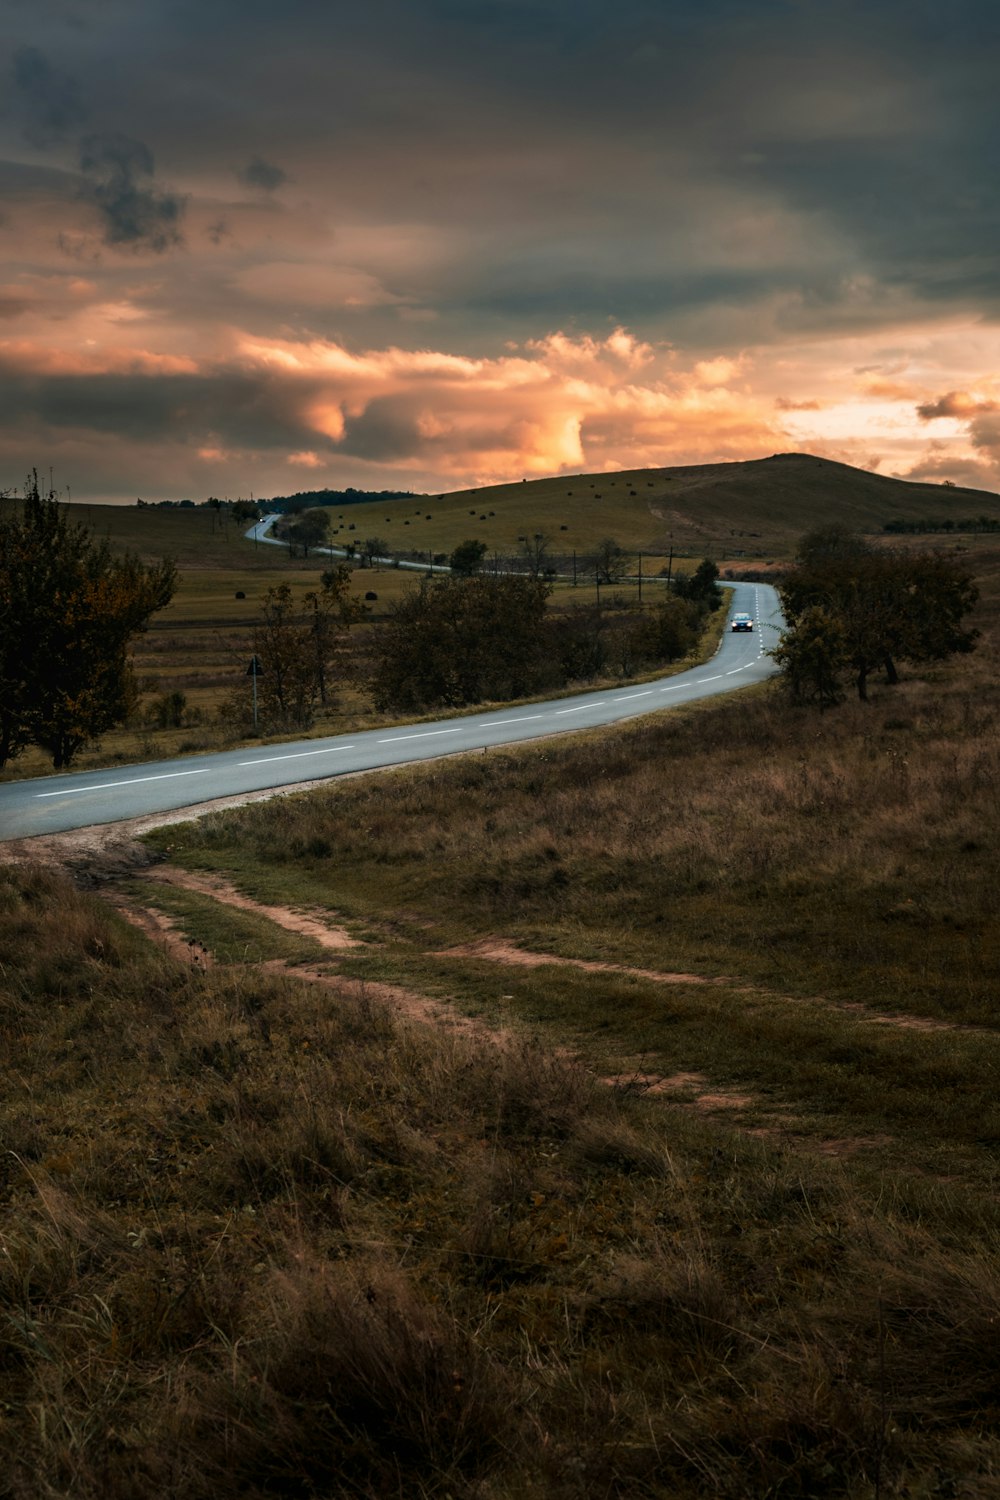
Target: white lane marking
point(629, 696)
point(425, 734)
point(103, 786)
point(716, 678)
point(674, 687)
point(297, 755)
point(578, 710)
point(502, 723)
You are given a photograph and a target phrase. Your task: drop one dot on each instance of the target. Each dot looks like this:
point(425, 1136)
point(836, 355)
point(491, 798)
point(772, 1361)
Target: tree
point(308, 530)
point(608, 561)
point(20, 568)
point(454, 641)
point(671, 630)
point(535, 553)
point(372, 548)
point(467, 558)
point(286, 687)
point(70, 611)
point(887, 606)
point(295, 647)
point(702, 587)
point(813, 656)
point(330, 610)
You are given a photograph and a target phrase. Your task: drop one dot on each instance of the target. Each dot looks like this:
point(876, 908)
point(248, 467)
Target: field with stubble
point(614, 1116)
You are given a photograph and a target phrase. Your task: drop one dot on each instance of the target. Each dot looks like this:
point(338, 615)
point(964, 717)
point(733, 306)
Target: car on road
point(741, 622)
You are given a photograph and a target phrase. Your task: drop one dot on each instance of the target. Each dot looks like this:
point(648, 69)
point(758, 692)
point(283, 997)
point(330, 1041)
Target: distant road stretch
point(57, 803)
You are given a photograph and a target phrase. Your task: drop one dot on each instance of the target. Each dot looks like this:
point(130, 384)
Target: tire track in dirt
point(501, 951)
point(685, 1090)
point(304, 923)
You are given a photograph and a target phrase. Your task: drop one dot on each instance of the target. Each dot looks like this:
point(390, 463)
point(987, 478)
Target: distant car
point(741, 622)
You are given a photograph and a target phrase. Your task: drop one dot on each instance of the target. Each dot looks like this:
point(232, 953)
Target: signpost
point(254, 670)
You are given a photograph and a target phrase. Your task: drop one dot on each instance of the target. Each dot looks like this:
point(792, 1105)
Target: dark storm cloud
point(49, 98)
point(465, 176)
point(263, 175)
point(599, 130)
point(246, 409)
point(136, 213)
point(954, 404)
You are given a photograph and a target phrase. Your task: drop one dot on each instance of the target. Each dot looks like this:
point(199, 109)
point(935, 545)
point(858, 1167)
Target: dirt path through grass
point(314, 924)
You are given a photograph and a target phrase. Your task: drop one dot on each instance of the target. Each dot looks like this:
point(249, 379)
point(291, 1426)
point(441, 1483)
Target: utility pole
point(253, 672)
point(640, 577)
point(670, 562)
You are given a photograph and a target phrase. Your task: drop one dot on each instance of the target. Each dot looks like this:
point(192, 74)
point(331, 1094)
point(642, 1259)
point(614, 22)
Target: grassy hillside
point(615, 1116)
point(754, 508)
point(739, 513)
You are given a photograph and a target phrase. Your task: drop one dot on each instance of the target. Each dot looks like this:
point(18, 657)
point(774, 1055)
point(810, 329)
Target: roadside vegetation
point(855, 608)
point(610, 1116)
point(193, 693)
point(69, 611)
point(694, 1207)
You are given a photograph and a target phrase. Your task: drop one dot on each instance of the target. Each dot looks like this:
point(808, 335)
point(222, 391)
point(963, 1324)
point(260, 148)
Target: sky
point(250, 246)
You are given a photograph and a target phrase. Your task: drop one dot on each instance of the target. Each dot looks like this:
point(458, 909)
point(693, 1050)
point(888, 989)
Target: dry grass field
point(615, 1116)
point(743, 515)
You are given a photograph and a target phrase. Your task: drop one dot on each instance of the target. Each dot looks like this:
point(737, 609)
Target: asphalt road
point(56, 803)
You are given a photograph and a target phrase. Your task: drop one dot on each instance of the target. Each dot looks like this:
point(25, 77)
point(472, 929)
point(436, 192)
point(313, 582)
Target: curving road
point(57, 803)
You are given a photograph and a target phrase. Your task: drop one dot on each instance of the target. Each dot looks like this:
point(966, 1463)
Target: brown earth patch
point(656, 1083)
point(304, 923)
point(496, 950)
point(499, 950)
point(407, 1003)
point(161, 930)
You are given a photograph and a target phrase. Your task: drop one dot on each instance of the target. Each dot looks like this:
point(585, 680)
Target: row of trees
point(295, 648)
point(455, 640)
point(853, 609)
point(68, 612)
point(459, 638)
point(607, 563)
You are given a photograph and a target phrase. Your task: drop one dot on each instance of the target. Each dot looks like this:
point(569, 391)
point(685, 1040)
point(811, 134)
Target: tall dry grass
point(256, 1243)
point(851, 854)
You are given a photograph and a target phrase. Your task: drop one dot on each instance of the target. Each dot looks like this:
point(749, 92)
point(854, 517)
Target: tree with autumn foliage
point(295, 646)
point(69, 610)
point(856, 608)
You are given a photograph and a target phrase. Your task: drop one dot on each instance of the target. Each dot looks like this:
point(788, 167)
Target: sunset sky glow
point(434, 243)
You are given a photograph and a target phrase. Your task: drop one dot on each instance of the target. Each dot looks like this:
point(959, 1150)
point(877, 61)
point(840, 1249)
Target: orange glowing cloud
point(961, 404)
point(557, 403)
point(430, 417)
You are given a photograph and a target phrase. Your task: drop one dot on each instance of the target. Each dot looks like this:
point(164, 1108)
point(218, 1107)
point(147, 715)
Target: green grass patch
point(232, 936)
point(365, 1257)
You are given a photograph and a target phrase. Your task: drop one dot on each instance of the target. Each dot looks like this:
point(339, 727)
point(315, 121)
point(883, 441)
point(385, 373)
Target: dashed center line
point(104, 786)
point(425, 734)
point(296, 755)
point(629, 696)
point(502, 723)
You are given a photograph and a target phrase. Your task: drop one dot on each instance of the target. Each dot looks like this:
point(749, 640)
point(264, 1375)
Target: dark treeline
point(854, 609)
point(456, 641)
point(69, 610)
point(985, 524)
point(334, 497)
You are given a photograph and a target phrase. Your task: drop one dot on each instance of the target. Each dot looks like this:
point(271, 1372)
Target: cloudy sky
point(251, 245)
